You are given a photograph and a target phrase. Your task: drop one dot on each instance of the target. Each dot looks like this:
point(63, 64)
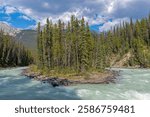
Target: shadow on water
point(21, 88)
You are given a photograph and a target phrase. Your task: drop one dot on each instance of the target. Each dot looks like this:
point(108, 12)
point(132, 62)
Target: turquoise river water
point(132, 84)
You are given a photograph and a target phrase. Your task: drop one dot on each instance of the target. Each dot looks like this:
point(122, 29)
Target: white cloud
point(5, 23)
point(111, 7)
point(65, 17)
point(98, 20)
point(1, 2)
point(34, 27)
point(125, 3)
point(108, 25)
point(10, 9)
point(43, 20)
point(79, 13)
point(27, 11)
point(46, 5)
point(25, 17)
point(105, 7)
point(58, 9)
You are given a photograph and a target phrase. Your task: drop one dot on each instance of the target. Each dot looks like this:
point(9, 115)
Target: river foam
point(132, 84)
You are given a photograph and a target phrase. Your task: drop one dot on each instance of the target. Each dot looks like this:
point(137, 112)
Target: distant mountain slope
point(8, 29)
point(28, 38)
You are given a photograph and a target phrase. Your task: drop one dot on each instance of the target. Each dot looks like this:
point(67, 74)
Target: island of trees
point(72, 47)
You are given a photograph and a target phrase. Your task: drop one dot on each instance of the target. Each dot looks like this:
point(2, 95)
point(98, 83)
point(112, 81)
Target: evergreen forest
point(74, 47)
point(13, 53)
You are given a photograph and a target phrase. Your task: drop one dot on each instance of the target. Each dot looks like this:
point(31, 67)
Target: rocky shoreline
point(106, 78)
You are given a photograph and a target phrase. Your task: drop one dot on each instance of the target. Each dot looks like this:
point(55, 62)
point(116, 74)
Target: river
point(132, 84)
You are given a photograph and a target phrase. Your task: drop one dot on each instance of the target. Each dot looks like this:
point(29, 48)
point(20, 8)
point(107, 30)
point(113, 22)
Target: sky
point(101, 14)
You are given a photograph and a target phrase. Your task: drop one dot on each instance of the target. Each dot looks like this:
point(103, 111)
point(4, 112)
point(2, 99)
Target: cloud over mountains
point(14, 17)
point(101, 14)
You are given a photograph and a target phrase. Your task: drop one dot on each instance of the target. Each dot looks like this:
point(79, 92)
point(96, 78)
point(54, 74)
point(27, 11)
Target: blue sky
point(101, 14)
point(14, 17)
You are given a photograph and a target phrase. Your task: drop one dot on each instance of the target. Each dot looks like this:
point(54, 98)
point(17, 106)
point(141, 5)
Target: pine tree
point(40, 46)
point(13, 53)
point(83, 48)
point(73, 46)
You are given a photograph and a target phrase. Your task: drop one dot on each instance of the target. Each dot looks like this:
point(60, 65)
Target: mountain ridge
point(26, 37)
point(8, 29)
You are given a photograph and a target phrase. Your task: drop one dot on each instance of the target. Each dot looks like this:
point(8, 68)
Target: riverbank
point(105, 77)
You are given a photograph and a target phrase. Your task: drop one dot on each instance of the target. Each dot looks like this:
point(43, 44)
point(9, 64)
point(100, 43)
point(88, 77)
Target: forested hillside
point(28, 38)
point(13, 53)
point(72, 46)
point(129, 42)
